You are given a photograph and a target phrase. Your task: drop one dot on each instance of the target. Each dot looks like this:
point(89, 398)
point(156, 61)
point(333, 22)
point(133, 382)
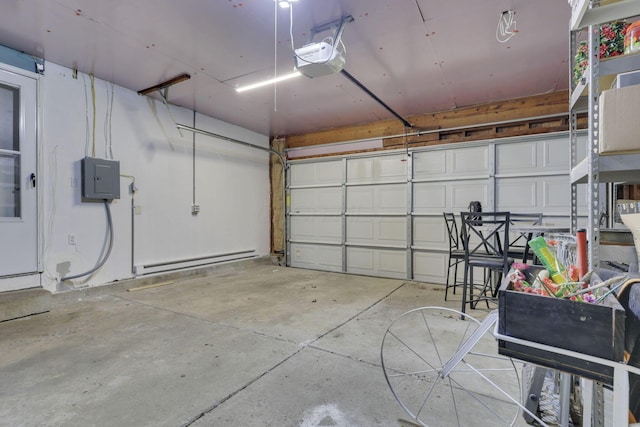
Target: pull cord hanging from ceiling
point(275, 56)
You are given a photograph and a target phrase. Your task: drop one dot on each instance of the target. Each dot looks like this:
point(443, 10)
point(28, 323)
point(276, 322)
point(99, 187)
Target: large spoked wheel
point(444, 375)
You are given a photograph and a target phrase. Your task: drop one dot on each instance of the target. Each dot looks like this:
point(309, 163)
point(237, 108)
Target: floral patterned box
point(593, 329)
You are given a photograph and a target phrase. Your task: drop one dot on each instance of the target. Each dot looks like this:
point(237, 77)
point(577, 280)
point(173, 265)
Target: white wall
point(231, 181)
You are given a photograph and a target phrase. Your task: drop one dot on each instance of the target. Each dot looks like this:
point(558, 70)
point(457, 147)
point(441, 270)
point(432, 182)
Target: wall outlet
point(71, 238)
point(137, 209)
point(73, 182)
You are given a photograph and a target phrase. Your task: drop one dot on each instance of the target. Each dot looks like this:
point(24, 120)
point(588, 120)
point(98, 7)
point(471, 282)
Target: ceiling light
point(268, 81)
point(285, 3)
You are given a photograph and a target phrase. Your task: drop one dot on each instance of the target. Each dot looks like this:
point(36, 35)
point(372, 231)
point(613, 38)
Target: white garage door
point(381, 214)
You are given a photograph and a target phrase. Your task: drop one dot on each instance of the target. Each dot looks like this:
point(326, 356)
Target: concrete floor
point(256, 345)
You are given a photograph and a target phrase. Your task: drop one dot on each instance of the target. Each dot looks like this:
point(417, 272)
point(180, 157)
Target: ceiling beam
point(165, 85)
point(499, 111)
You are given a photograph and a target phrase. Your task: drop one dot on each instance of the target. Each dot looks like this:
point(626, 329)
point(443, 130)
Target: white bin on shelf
point(630, 216)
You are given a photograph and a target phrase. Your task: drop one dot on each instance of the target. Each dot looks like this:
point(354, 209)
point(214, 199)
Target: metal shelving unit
point(595, 169)
point(585, 12)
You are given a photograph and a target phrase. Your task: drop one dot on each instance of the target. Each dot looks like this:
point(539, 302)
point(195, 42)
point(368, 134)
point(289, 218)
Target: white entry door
point(18, 201)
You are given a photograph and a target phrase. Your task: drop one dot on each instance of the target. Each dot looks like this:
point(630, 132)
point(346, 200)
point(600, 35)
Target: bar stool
point(485, 237)
point(456, 253)
point(518, 248)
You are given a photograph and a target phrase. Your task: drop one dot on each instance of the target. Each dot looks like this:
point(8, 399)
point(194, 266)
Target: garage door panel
point(393, 167)
point(555, 155)
point(377, 231)
point(430, 266)
point(516, 157)
point(518, 194)
point(316, 229)
point(394, 263)
point(316, 257)
point(529, 157)
point(392, 198)
point(360, 259)
point(429, 197)
point(392, 230)
point(316, 200)
point(535, 194)
point(471, 160)
point(360, 170)
point(457, 162)
point(377, 262)
point(453, 196)
point(377, 169)
point(430, 233)
point(384, 198)
point(360, 230)
point(464, 192)
point(557, 193)
point(318, 173)
point(360, 199)
point(430, 164)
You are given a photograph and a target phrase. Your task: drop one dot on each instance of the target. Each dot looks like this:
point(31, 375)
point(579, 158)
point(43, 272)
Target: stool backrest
point(452, 230)
point(518, 240)
point(486, 234)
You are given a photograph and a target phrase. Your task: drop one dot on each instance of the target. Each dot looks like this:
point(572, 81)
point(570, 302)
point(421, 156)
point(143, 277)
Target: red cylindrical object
point(581, 252)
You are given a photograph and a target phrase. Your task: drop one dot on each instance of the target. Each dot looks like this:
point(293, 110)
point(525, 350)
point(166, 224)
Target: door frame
point(31, 279)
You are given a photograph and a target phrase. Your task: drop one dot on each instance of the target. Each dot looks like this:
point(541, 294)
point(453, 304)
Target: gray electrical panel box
point(100, 179)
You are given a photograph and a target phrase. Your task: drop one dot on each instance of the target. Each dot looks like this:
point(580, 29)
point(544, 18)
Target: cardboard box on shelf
point(619, 124)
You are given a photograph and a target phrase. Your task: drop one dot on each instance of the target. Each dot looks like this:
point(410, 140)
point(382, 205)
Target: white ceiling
point(418, 56)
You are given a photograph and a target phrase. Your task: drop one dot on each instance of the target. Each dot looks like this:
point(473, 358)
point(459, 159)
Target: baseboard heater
point(167, 266)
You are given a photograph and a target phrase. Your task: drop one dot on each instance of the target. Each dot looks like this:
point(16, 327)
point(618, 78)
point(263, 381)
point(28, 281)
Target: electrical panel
point(100, 179)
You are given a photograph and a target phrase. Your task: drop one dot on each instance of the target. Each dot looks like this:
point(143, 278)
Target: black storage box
point(593, 329)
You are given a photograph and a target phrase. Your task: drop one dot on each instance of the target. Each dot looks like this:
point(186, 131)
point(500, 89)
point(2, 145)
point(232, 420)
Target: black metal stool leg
point(446, 287)
point(464, 290)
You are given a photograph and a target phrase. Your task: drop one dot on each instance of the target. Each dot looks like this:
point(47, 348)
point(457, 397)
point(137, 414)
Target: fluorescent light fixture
point(268, 82)
point(285, 3)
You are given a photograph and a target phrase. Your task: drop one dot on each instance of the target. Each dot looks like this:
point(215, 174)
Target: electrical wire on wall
point(93, 103)
point(164, 94)
point(108, 140)
point(45, 237)
point(87, 145)
point(90, 134)
point(108, 154)
point(106, 255)
point(133, 188)
point(194, 210)
point(163, 90)
point(507, 26)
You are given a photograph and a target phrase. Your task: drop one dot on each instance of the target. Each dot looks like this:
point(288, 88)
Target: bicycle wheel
point(482, 389)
